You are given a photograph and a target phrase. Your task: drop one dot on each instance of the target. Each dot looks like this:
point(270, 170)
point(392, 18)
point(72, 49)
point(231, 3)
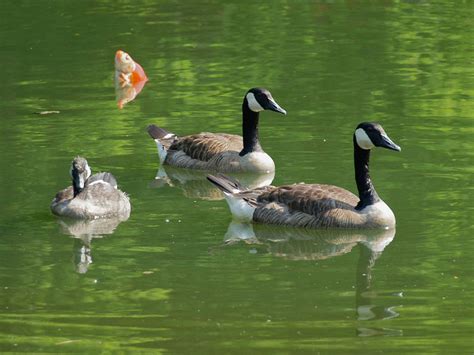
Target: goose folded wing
point(313, 199)
point(204, 146)
point(102, 177)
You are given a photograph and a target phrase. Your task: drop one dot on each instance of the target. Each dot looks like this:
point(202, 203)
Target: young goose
point(317, 205)
point(220, 151)
point(90, 197)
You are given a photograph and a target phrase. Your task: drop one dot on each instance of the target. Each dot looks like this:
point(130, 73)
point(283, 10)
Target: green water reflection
point(170, 279)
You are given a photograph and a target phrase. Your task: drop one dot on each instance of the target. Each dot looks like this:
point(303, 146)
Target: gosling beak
point(386, 142)
point(273, 106)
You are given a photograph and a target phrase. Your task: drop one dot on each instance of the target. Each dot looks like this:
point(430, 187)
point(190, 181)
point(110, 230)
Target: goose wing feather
point(310, 198)
point(306, 205)
point(204, 146)
point(105, 177)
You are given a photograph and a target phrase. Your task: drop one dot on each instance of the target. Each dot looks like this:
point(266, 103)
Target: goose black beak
point(386, 142)
point(273, 106)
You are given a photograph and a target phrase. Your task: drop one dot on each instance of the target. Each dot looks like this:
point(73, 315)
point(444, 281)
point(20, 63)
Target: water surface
point(174, 277)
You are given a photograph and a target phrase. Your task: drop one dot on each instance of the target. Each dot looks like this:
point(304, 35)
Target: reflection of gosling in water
point(90, 197)
point(83, 231)
point(82, 260)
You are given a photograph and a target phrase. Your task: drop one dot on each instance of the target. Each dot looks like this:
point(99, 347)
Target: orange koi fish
point(130, 78)
point(127, 70)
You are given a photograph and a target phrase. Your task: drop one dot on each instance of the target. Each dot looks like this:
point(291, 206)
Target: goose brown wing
point(312, 199)
point(253, 196)
point(204, 146)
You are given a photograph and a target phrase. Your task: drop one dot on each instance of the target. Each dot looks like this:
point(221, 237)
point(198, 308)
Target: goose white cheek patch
point(253, 103)
point(363, 139)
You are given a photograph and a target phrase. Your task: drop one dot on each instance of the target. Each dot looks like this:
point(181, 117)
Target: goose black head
point(371, 134)
point(259, 99)
point(80, 172)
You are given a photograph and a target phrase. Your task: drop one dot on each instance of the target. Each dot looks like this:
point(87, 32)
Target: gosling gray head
point(80, 172)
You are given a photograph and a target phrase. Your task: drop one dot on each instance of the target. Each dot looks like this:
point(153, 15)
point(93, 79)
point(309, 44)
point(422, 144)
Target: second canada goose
point(317, 205)
point(90, 197)
point(221, 152)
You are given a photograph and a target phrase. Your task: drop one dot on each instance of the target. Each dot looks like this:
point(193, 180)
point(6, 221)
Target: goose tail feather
point(240, 207)
point(163, 140)
point(226, 184)
point(156, 132)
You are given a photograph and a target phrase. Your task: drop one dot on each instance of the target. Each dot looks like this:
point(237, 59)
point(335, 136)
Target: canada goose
point(90, 197)
point(317, 205)
point(221, 152)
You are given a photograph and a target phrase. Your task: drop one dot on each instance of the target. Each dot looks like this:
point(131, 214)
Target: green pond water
point(178, 276)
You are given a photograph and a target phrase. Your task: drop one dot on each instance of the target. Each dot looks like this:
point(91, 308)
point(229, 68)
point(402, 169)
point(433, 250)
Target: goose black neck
point(367, 194)
point(249, 130)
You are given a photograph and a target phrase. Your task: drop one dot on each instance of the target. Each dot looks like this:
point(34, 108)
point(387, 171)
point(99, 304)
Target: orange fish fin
point(138, 74)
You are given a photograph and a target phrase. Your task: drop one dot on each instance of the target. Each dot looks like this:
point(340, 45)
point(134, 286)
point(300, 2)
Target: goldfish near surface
point(130, 78)
point(127, 71)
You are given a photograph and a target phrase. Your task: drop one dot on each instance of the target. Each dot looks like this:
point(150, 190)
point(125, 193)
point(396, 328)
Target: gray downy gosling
point(90, 197)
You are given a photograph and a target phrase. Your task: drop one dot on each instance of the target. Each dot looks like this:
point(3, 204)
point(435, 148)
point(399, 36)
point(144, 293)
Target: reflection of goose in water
point(195, 185)
point(302, 244)
point(83, 231)
point(365, 296)
point(299, 244)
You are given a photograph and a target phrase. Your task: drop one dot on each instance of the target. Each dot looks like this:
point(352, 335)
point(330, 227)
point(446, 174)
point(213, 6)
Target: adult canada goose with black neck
point(317, 205)
point(221, 152)
point(90, 197)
